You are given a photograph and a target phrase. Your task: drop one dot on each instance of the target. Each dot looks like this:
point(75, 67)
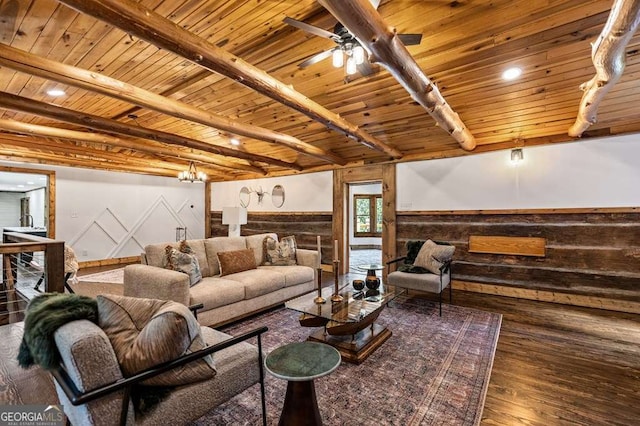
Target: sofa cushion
point(258, 282)
point(432, 256)
point(256, 243)
point(236, 261)
point(185, 262)
point(214, 245)
point(155, 254)
point(293, 275)
point(214, 292)
point(280, 253)
point(148, 332)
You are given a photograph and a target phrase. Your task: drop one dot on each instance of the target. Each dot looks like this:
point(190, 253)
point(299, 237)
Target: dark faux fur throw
point(45, 314)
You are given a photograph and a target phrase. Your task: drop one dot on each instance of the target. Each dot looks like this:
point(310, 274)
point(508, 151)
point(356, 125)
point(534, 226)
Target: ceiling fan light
point(338, 58)
point(352, 67)
point(358, 55)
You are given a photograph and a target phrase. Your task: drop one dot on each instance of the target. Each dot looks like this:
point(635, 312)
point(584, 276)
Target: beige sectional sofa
point(228, 297)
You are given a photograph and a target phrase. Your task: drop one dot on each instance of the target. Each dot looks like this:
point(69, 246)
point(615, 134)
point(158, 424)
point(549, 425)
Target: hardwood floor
point(557, 364)
point(561, 365)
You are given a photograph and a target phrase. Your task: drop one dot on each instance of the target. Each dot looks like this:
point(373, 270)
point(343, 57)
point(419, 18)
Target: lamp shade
point(234, 216)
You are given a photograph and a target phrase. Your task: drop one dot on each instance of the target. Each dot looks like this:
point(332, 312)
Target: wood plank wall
point(591, 253)
point(305, 226)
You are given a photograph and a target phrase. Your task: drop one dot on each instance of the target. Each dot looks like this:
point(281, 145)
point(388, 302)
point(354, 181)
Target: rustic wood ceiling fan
point(347, 46)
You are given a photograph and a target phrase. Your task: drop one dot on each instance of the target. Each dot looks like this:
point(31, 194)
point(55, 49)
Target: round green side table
point(299, 363)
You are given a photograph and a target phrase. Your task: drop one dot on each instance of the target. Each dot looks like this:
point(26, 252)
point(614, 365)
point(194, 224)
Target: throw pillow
point(432, 256)
point(183, 262)
point(236, 261)
point(282, 253)
point(148, 332)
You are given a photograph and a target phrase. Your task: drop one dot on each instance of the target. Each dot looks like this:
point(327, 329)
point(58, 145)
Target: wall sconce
point(517, 156)
point(234, 217)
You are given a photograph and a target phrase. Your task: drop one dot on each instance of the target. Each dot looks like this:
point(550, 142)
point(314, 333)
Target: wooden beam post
point(135, 19)
point(54, 267)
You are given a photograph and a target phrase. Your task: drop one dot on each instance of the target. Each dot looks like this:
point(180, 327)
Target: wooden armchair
point(414, 277)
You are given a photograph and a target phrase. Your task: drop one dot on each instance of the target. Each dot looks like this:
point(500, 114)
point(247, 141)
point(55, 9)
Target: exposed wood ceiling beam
point(31, 64)
point(30, 106)
point(84, 157)
point(608, 54)
point(364, 22)
point(200, 75)
point(97, 138)
point(137, 20)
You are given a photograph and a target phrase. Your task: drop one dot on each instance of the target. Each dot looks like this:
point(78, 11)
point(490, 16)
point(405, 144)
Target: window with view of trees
point(368, 215)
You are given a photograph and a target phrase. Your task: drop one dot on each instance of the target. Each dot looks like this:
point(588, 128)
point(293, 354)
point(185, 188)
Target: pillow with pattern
point(183, 261)
point(432, 256)
point(282, 253)
point(148, 332)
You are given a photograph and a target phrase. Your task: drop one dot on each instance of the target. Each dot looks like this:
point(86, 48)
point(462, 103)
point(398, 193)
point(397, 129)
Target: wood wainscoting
point(591, 256)
point(305, 226)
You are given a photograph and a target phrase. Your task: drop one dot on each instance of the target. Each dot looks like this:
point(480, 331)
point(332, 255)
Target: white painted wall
point(37, 200)
point(374, 188)
point(309, 192)
point(107, 214)
point(589, 173)
point(10, 208)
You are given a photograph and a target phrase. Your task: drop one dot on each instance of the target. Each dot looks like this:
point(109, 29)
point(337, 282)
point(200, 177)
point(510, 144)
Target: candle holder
point(336, 272)
point(319, 300)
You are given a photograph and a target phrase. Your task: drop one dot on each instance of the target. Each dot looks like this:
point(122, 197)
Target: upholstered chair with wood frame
point(93, 391)
point(426, 267)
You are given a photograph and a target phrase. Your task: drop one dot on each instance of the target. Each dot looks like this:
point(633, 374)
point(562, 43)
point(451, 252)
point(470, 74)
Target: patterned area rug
point(432, 371)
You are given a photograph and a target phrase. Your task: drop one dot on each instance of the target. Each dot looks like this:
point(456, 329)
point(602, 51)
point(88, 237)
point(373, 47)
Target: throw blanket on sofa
point(45, 314)
point(49, 311)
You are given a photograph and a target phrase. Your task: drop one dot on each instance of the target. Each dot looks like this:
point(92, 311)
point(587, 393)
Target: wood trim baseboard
point(520, 211)
point(109, 262)
point(550, 296)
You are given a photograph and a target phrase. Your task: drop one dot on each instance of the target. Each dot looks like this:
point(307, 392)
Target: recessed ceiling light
point(234, 142)
point(55, 92)
point(31, 183)
point(512, 73)
point(20, 186)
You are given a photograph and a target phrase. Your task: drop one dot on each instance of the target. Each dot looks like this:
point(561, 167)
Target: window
point(367, 215)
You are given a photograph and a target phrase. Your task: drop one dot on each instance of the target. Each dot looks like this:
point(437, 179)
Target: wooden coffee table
point(349, 325)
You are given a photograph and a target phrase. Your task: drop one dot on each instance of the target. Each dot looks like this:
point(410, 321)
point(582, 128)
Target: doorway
point(27, 199)
point(342, 179)
point(364, 225)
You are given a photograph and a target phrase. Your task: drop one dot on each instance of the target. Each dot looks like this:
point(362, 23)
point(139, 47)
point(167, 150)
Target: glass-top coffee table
point(349, 325)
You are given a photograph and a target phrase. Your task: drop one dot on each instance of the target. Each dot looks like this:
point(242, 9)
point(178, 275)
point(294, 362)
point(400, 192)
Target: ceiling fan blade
point(309, 28)
point(316, 58)
point(410, 39)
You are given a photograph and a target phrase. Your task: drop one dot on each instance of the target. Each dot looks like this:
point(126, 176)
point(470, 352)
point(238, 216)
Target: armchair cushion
point(432, 256)
point(148, 332)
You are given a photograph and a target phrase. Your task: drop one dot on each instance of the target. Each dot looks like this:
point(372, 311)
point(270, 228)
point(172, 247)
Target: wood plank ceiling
point(465, 47)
